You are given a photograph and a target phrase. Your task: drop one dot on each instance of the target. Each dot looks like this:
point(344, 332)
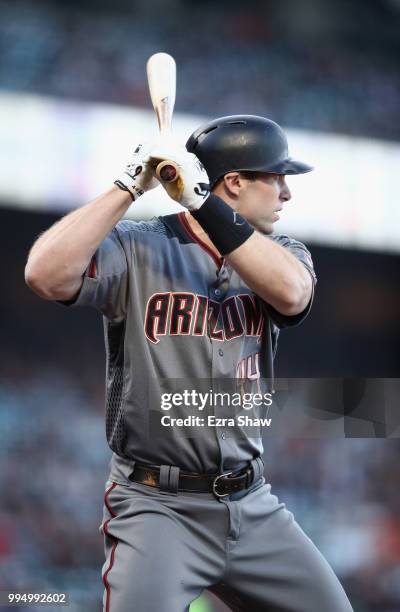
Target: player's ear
point(232, 183)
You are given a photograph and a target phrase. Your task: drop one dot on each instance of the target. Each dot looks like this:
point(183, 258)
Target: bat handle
point(167, 171)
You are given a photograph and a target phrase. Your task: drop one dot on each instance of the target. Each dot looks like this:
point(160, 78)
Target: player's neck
point(198, 231)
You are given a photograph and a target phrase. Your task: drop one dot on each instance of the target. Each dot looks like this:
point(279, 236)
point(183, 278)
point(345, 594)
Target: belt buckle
point(215, 484)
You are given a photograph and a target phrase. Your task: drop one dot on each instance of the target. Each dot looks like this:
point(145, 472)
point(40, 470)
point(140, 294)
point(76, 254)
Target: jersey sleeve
point(300, 251)
point(105, 281)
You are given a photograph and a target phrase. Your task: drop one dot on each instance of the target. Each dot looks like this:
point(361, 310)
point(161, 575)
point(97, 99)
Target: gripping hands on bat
point(181, 173)
point(191, 188)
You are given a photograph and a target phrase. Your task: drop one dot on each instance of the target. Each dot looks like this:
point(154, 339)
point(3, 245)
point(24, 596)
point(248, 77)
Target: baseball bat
point(161, 77)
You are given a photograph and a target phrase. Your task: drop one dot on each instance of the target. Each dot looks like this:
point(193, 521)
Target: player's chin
point(265, 226)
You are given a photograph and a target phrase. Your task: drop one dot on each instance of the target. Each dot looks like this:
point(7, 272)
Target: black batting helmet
point(243, 143)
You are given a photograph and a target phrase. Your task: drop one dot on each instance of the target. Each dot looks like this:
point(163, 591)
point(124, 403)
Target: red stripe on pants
point(105, 529)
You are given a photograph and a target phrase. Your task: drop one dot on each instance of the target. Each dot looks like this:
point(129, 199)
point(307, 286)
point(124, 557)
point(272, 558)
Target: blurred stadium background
point(73, 101)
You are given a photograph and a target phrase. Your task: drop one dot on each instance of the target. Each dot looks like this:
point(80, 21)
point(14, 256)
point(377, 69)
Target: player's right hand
point(191, 189)
point(138, 175)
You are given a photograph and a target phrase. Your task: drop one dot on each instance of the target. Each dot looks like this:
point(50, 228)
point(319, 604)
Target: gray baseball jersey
point(176, 316)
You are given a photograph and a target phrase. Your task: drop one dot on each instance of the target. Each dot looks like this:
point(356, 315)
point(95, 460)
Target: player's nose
point(285, 194)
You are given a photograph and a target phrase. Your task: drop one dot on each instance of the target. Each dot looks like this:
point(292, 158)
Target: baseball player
point(193, 302)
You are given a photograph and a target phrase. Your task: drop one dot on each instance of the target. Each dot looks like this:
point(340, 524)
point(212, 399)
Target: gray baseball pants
point(162, 550)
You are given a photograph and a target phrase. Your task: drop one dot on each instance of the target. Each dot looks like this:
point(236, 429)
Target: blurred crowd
point(53, 459)
point(341, 76)
point(54, 456)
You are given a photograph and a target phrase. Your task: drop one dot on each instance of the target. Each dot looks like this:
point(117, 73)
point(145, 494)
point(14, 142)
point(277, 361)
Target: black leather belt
point(219, 484)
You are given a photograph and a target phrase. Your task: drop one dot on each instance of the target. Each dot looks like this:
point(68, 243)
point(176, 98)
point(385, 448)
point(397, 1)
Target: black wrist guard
point(225, 227)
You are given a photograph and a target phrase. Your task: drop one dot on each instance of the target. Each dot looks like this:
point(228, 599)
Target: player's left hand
point(138, 176)
point(191, 188)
